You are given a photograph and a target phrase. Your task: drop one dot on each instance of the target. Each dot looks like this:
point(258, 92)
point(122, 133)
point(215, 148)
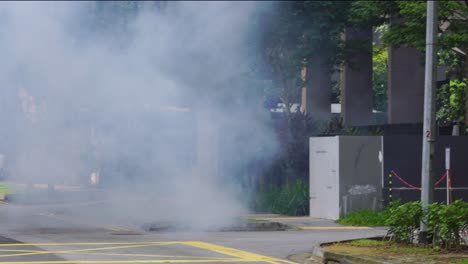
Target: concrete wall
point(360, 173)
point(318, 89)
point(357, 94)
point(406, 86)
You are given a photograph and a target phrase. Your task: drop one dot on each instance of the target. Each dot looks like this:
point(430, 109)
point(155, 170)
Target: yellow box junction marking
point(235, 255)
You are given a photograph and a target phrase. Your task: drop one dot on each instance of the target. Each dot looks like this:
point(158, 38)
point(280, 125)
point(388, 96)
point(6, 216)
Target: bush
point(290, 199)
point(364, 217)
point(446, 223)
point(403, 220)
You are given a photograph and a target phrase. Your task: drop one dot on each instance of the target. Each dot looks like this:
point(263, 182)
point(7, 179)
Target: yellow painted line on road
point(334, 227)
point(239, 255)
point(18, 250)
point(148, 255)
point(226, 260)
point(86, 244)
point(76, 250)
point(234, 252)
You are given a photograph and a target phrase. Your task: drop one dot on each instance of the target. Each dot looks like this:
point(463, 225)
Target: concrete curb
point(318, 252)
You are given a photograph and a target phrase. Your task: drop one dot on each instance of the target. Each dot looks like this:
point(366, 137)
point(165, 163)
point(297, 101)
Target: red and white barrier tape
point(418, 188)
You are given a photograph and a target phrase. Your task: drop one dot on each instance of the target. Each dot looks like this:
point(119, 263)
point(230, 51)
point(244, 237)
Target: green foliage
point(379, 77)
point(454, 62)
point(403, 220)
point(451, 101)
point(365, 218)
point(371, 13)
point(446, 222)
point(290, 199)
point(299, 34)
point(411, 33)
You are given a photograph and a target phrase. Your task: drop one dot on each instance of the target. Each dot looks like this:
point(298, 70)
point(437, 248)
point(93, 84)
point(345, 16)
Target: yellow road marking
point(134, 261)
point(334, 227)
point(85, 244)
point(76, 250)
point(148, 255)
point(18, 250)
point(234, 252)
point(240, 256)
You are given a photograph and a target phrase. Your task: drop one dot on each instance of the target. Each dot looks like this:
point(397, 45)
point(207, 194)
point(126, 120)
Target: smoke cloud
point(150, 100)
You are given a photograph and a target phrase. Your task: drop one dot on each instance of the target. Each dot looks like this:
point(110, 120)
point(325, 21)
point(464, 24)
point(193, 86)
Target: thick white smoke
point(148, 103)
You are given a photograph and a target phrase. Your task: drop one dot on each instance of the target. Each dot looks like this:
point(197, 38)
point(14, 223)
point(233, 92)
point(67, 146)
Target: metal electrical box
point(345, 175)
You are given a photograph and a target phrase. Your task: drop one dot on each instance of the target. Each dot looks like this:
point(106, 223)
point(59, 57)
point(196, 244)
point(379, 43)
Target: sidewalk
point(327, 230)
point(306, 222)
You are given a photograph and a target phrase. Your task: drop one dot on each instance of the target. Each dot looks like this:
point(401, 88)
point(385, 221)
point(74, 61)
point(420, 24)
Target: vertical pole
point(390, 188)
point(447, 172)
point(429, 132)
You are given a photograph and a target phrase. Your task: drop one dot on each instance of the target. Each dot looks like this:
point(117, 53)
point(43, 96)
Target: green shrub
point(290, 199)
point(364, 217)
point(446, 222)
point(403, 220)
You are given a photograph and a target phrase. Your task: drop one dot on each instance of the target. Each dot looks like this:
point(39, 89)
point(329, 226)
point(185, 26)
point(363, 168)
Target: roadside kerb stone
point(327, 256)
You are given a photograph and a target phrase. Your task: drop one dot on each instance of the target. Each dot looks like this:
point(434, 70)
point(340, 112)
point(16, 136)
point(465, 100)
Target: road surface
point(69, 233)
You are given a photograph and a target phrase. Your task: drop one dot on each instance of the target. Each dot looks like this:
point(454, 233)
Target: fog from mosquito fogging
point(144, 105)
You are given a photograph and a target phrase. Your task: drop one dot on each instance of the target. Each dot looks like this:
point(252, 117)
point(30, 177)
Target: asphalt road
point(68, 233)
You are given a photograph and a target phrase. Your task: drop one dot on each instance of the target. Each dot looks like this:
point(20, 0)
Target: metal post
point(390, 188)
point(429, 116)
point(447, 173)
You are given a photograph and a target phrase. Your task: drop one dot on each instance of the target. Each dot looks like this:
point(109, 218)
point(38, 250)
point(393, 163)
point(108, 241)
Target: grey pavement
point(57, 233)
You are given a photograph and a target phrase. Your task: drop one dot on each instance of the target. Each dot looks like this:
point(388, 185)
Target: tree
point(379, 77)
point(453, 29)
point(298, 35)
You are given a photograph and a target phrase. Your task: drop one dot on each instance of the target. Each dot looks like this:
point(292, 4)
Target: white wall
point(324, 177)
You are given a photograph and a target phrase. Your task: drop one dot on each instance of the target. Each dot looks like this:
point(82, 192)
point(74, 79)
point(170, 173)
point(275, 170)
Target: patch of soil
point(400, 253)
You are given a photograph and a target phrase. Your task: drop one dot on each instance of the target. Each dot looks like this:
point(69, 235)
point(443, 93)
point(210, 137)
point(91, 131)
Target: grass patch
point(364, 218)
point(389, 250)
point(367, 243)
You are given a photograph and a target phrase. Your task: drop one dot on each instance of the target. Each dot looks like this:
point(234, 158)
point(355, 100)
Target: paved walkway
point(306, 222)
